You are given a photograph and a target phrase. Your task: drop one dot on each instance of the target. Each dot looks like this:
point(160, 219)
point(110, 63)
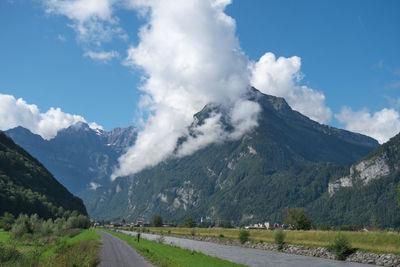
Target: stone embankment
point(358, 256)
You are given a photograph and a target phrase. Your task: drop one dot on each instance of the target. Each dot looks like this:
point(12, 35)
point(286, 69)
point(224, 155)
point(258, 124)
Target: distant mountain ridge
point(26, 186)
point(80, 158)
point(287, 161)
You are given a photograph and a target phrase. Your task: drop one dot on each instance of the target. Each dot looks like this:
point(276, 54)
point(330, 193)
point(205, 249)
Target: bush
point(8, 254)
point(324, 227)
point(341, 247)
point(7, 221)
point(279, 236)
point(156, 221)
point(189, 222)
point(244, 236)
point(226, 224)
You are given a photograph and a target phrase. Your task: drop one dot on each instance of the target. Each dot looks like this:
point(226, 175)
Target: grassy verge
point(4, 236)
point(171, 256)
point(72, 248)
point(380, 242)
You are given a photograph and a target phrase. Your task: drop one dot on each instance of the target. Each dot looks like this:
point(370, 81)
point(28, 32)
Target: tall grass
point(73, 248)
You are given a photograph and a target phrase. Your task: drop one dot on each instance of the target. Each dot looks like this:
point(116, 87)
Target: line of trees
point(34, 225)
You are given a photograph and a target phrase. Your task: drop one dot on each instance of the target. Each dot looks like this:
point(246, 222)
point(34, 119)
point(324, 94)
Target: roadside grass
point(73, 248)
point(80, 250)
point(171, 256)
point(379, 242)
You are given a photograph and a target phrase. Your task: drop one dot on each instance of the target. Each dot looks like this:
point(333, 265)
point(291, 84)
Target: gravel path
point(250, 256)
point(117, 253)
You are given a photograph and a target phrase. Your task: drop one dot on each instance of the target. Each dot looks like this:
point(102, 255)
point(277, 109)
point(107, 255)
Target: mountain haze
point(287, 161)
point(79, 157)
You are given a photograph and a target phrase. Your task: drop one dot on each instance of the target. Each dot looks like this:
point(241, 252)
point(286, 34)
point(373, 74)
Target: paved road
point(251, 256)
point(117, 253)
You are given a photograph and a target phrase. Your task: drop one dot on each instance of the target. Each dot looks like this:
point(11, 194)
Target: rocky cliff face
point(362, 172)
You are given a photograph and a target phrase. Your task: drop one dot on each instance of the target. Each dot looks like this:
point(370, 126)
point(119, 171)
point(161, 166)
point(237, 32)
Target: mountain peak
point(79, 126)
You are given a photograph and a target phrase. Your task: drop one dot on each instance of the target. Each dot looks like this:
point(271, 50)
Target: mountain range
point(287, 161)
point(79, 157)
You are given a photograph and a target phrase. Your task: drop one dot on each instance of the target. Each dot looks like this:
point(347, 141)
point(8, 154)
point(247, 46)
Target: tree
point(297, 217)
point(156, 221)
point(189, 222)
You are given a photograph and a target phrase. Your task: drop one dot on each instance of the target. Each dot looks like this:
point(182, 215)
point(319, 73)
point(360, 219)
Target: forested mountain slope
point(26, 186)
point(287, 161)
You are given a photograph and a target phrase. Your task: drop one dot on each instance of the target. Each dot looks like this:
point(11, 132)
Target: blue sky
point(349, 52)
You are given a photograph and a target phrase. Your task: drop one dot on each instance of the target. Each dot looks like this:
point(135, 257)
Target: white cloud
point(191, 57)
point(93, 20)
point(102, 56)
point(16, 112)
point(281, 77)
point(381, 125)
point(94, 186)
point(243, 117)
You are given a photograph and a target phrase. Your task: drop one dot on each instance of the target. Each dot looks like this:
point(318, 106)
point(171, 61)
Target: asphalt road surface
point(117, 253)
point(250, 256)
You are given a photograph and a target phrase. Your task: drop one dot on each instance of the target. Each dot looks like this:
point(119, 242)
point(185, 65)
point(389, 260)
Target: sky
point(153, 64)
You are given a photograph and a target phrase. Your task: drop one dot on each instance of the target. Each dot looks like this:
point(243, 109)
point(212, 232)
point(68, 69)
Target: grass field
point(381, 242)
point(80, 248)
point(165, 255)
point(4, 236)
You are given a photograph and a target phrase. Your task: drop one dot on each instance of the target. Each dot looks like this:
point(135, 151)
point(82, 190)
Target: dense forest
point(26, 186)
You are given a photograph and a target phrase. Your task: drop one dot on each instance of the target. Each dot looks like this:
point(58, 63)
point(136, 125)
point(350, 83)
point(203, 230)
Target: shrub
point(192, 232)
point(279, 236)
point(138, 237)
point(8, 254)
point(244, 236)
point(189, 222)
point(7, 221)
point(324, 227)
point(226, 224)
point(341, 247)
